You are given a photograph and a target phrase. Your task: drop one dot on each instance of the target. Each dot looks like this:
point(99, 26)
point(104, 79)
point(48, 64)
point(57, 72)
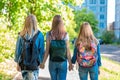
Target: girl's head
point(30, 24)
point(86, 34)
point(58, 28)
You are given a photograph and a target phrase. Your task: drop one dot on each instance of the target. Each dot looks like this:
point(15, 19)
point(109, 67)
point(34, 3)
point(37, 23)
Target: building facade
point(99, 8)
point(117, 19)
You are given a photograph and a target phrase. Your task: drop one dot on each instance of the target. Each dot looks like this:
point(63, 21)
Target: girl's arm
point(74, 55)
point(46, 53)
point(99, 56)
point(18, 49)
point(18, 52)
point(69, 56)
point(41, 48)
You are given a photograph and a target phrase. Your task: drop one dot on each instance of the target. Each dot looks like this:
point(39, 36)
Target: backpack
point(29, 55)
point(57, 50)
point(87, 58)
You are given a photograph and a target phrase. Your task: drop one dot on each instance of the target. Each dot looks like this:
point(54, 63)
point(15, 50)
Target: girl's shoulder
point(66, 38)
point(48, 34)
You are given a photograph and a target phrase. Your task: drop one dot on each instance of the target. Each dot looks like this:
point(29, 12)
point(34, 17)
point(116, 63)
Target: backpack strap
point(51, 36)
point(35, 36)
point(65, 35)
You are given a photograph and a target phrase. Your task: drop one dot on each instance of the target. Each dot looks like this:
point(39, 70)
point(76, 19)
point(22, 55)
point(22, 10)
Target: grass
point(4, 76)
point(110, 70)
point(116, 44)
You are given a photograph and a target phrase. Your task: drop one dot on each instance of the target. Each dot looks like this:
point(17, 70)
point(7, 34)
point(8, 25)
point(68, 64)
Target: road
point(112, 52)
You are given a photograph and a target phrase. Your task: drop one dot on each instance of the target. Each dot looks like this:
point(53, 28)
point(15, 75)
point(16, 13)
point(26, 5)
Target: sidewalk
point(44, 74)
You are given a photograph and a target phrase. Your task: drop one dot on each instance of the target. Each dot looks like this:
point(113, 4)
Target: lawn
point(110, 70)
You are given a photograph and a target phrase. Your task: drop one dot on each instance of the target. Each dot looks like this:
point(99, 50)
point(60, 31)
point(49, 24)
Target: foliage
point(108, 37)
point(85, 16)
point(16, 10)
point(7, 43)
point(3, 76)
point(13, 13)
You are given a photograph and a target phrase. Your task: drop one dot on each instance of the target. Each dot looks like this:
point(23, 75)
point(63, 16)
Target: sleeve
point(66, 37)
point(41, 48)
point(18, 49)
point(74, 55)
point(99, 56)
point(47, 35)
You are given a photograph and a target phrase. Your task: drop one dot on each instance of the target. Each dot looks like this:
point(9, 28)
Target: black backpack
point(29, 55)
point(57, 50)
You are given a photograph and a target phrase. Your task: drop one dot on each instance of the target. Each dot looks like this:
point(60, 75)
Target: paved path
point(44, 74)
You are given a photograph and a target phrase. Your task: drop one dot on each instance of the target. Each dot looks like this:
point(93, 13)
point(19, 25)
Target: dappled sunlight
point(8, 67)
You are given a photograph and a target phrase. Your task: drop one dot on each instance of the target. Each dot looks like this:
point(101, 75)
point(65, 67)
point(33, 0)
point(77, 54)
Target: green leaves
point(84, 15)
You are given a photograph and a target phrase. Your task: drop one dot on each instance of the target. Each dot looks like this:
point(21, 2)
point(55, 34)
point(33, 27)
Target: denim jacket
point(98, 53)
point(39, 45)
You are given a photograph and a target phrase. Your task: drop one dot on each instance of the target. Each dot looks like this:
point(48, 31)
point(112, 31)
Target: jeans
point(58, 70)
point(30, 75)
point(93, 71)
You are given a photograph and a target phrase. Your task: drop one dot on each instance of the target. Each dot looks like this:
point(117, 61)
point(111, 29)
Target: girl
point(58, 53)
point(87, 53)
point(30, 31)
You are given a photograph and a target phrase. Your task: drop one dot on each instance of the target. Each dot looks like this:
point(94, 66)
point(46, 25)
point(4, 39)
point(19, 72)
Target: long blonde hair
point(30, 24)
point(58, 29)
point(86, 35)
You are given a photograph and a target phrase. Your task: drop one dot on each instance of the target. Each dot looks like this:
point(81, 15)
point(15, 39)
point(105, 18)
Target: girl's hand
point(42, 66)
point(70, 67)
point(99, 71)
point(18, 67)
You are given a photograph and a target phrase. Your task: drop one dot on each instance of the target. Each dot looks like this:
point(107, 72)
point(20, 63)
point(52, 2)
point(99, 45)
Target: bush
point(7, 43)
point(108, 37)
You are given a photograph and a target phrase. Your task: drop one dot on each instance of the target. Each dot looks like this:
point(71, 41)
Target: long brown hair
point(58, 29)
point(29, 25)
point(86, 35)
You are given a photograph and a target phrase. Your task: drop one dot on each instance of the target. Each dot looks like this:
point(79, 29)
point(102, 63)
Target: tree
point(108, 37)
point(15, 11)
point(85, 15)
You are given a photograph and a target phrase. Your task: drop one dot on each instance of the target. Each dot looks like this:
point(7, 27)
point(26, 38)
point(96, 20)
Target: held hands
point(99, 71)
point(18, 67)
point(42, 66)
point(71, 67)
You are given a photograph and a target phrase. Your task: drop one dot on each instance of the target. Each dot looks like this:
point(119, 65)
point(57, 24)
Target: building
point(117, 19)
point(111, 26)
point(99, 8)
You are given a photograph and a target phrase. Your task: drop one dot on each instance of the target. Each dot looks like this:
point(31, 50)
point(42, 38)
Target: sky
point(111, 11)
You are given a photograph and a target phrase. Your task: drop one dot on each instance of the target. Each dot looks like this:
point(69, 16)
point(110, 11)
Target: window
point(102, 9)
point(102, 1)
point(101, 16)
point(92, 8)
point(92, 1)
point(101, 25)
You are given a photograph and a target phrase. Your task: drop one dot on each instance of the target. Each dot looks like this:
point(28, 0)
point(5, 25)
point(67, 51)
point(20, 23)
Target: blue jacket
point(39, 45)
point(98, 52)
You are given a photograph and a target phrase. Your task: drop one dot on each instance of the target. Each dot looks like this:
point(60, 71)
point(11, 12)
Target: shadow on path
point(43, 78)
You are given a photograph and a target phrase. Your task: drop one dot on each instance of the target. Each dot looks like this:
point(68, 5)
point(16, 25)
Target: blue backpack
point(29, 55)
